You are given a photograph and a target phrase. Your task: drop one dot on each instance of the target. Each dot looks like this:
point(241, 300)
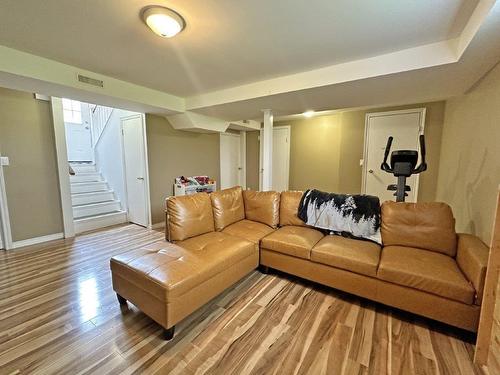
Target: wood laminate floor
point(58, 314)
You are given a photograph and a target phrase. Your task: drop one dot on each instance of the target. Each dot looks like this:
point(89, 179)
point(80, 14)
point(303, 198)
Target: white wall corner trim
point(157, 225)
point(4, 214)
point(37, 240)
point(63, 167)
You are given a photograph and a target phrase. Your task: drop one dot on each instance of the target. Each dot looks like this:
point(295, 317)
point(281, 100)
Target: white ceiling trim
point(430, 55)
point(14, 63)
point(472, 27)
point(409, 59)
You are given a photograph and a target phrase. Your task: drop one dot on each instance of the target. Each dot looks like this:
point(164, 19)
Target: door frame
point(62, 166)
point(142, 116)
point(243, 155)
point(5, 230)
point(289, 129)
point(421, 129)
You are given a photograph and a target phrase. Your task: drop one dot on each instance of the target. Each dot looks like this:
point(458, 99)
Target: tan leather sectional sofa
point(215, 240)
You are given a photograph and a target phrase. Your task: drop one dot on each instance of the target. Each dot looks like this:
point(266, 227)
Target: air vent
point(90, 81)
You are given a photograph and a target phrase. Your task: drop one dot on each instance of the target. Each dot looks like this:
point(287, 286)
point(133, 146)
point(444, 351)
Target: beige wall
point(314, 153)
point(325, 151)
point(27, 138)
point(469, 172)
point(173, 153)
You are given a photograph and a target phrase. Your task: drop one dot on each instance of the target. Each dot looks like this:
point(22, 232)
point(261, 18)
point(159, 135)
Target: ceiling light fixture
point(308, 114)
point(163, 21)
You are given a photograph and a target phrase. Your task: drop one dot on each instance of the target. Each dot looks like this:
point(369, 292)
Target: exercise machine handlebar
point(385, 166)
point(423, 165)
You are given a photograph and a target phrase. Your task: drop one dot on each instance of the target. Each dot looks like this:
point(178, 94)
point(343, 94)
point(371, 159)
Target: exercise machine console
point(403, 165)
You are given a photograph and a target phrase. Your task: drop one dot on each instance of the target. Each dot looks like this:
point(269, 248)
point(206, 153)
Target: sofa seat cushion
point(292, 240)
point(352, 255)
point(249, 230)
point(167, 270)
point(425, 270)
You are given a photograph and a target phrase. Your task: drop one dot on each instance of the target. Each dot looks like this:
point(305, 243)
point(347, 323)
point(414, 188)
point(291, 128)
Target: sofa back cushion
point(189, 216)
point(289, 207)
point(428, 226)
point(227, 206)
point(262, 206)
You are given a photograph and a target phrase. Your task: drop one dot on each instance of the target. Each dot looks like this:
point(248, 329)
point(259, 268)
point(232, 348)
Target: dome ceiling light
point(163, 21)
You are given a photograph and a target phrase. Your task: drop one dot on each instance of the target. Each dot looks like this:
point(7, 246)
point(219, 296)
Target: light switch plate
point(4, 160)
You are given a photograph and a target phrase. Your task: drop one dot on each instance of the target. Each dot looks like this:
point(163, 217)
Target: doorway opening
point(107, 165)
point(280, 159)
point(233, 159)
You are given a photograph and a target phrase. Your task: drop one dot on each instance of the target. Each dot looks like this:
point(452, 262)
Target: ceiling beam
point(23, 71)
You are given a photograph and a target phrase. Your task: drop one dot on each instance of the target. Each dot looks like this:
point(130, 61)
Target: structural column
point(267, 151)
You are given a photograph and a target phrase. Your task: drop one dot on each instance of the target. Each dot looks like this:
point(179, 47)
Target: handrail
point(100, 118)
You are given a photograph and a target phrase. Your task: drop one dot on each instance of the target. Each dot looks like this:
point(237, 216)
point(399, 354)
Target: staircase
point(94, 204)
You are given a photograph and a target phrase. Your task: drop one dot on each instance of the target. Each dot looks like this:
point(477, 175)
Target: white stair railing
point(100, 118)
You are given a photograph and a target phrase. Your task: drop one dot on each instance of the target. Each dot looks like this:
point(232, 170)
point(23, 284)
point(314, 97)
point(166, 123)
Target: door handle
point(140, 178)
point(370, 171)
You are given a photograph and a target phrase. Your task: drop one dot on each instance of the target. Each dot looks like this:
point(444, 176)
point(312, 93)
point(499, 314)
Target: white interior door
point(77, 126)
point(1, 232)
point(405, 126)
point(230, 161)
point(281, 158)
point(135, 163)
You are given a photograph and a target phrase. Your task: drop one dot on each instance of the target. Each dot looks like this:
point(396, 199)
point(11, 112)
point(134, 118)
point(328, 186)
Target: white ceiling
point(226, 42)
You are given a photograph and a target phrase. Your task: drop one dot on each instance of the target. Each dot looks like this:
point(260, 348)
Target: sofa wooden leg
point(121, 300)
point(264, 269)
point(168, 334)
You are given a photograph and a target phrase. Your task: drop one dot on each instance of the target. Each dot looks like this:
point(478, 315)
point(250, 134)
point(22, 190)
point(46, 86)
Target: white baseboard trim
point(157, 225)
point(37, 240)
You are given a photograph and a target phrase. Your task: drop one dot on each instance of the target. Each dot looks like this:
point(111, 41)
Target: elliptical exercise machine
point(402, 166)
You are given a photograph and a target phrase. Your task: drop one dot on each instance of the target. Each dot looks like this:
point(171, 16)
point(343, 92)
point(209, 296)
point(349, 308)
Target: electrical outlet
point(4, 161)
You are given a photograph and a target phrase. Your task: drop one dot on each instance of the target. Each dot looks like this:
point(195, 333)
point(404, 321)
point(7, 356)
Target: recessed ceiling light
point(163, 21)
point(308, 113)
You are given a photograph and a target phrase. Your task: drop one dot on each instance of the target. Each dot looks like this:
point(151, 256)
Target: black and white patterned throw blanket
point(356, 216)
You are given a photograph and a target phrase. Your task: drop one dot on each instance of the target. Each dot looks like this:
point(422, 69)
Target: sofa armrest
point(472, 258)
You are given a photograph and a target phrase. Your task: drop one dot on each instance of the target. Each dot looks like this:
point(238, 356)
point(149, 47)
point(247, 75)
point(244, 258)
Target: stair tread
point(93, 192)
point(98, 203)
point(88, 182)
point(100, 215)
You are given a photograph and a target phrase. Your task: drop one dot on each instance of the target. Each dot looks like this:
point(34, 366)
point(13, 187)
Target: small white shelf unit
point(188, 189)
